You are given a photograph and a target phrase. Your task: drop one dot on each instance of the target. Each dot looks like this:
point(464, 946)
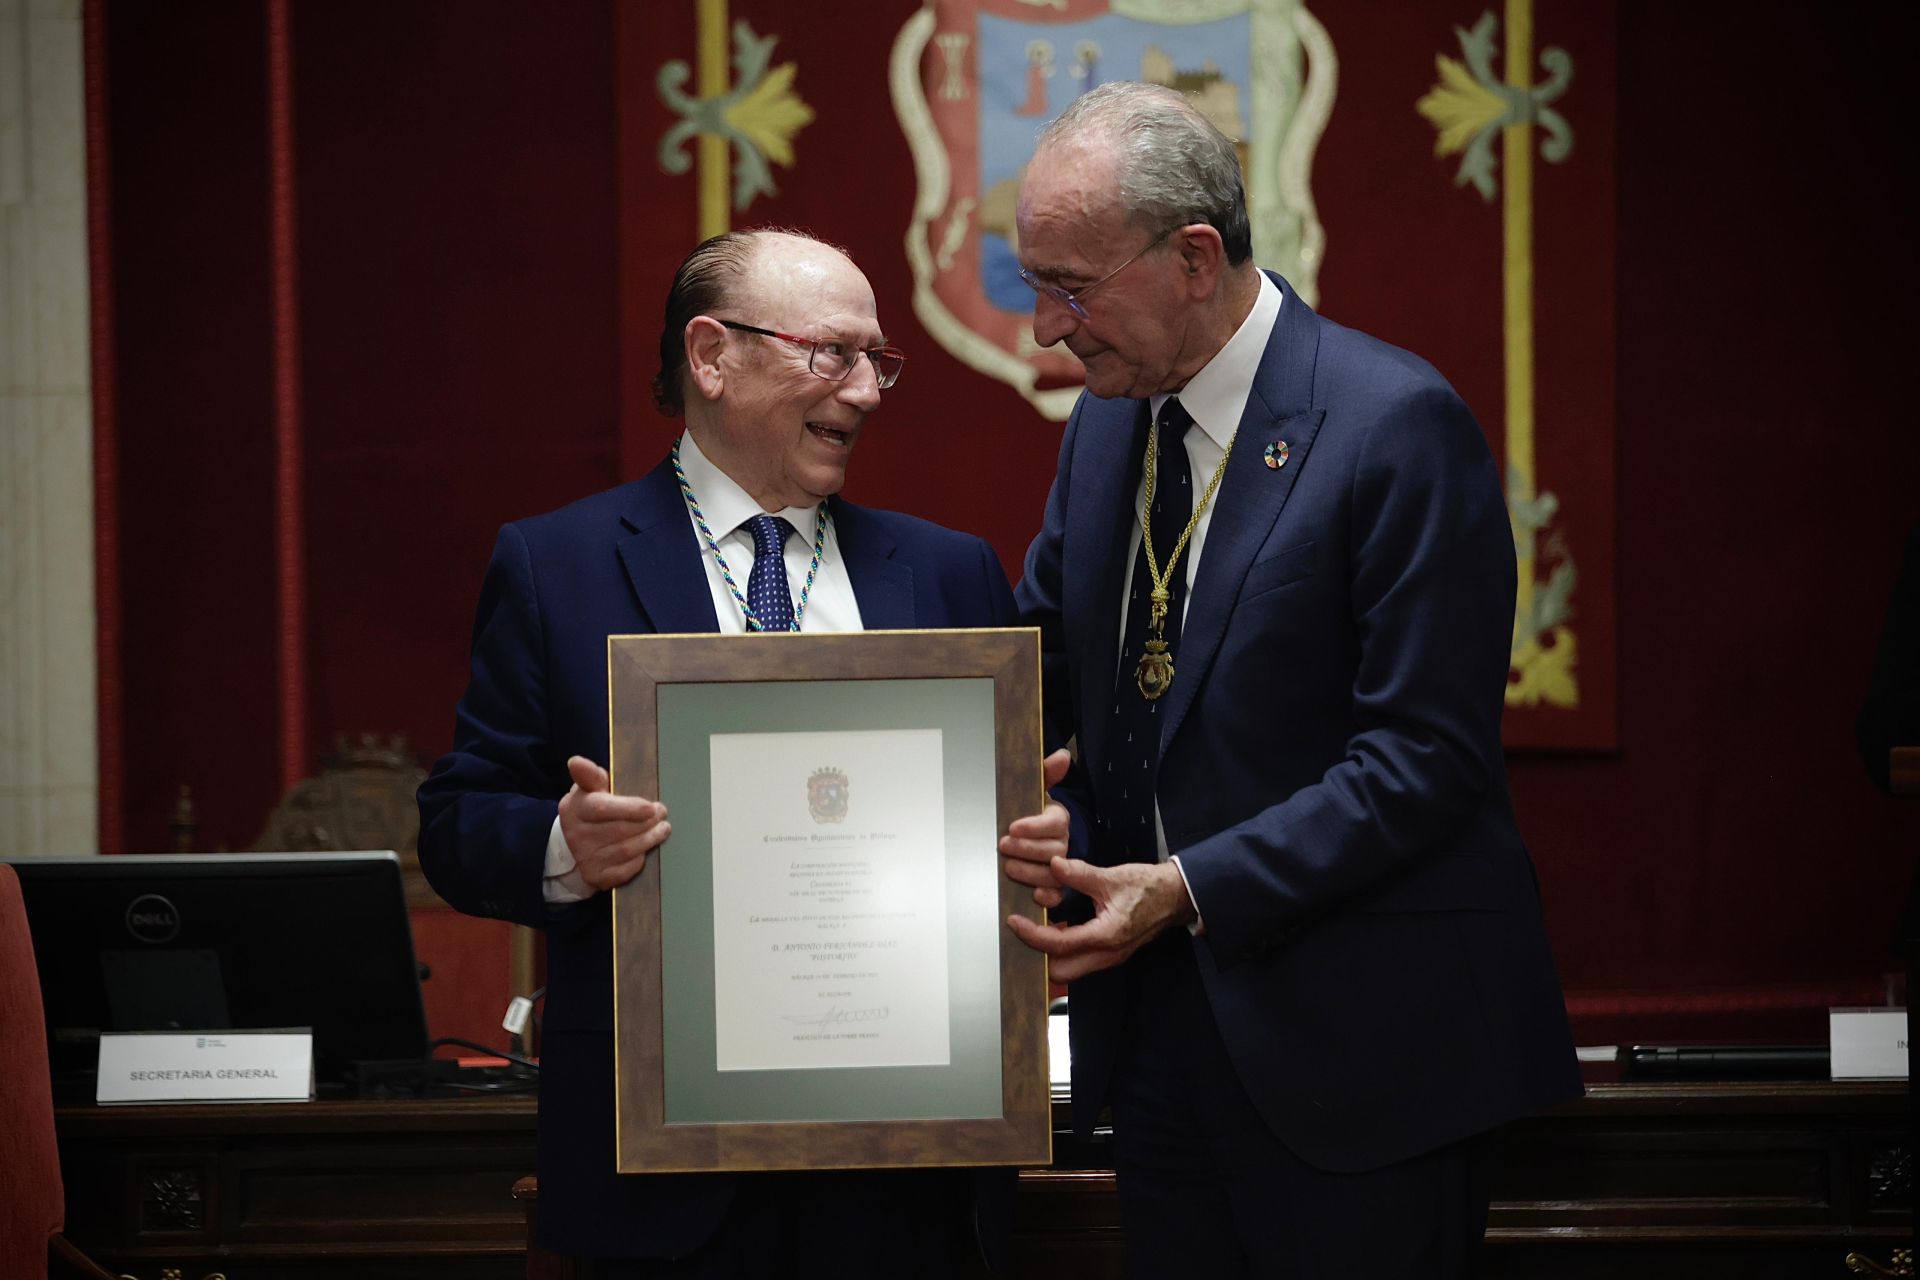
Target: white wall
point(48, 724)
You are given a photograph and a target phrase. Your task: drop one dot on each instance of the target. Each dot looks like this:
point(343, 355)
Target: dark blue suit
point(621, 562)
point(1330, 762)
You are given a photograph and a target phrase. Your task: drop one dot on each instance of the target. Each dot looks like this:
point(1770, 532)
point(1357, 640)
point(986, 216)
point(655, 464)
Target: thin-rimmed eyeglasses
point(832, 360)
point(1071, 298)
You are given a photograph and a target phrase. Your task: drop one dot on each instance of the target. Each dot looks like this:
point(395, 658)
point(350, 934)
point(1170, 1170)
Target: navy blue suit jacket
point(1331, 771)
point(622, 562)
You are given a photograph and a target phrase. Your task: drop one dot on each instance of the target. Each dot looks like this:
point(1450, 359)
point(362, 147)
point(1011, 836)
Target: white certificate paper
point(830, 900)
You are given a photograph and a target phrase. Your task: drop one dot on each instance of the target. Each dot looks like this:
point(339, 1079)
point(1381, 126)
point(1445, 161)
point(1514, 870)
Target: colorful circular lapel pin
point(1276, 455)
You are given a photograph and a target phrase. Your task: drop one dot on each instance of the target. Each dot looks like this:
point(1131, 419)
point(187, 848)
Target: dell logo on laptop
point(151, 918)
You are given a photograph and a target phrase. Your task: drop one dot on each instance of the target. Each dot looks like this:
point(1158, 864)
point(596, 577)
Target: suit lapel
point(882, 586)
point(1106, 471)
point(662, 557)
point(1251, 495)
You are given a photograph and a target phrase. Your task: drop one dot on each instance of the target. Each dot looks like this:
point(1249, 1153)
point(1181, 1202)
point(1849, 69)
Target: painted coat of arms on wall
point(974, 82)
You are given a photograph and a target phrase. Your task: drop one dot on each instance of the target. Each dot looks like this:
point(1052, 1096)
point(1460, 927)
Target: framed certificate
point(815, 970)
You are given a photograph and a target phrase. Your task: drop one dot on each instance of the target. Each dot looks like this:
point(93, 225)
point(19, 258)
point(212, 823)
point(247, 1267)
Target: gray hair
point(1175, 166)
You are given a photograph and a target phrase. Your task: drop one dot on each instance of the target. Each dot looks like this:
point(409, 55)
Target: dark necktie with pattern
point(767, 592)
point(1133, 758)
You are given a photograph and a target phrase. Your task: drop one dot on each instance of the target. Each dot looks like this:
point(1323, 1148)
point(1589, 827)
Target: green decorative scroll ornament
point(759, 116)
point(1471, 104)
point(1541, 665)
point(1469, 107)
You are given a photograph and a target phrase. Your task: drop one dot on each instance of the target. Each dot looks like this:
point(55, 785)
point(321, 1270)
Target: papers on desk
point(1059, 1056)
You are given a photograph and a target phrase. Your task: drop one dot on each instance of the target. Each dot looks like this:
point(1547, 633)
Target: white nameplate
point(206, 1066)
point(1868, 1044)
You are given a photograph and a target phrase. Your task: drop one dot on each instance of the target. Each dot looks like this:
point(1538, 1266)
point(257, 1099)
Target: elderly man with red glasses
point(773, 352)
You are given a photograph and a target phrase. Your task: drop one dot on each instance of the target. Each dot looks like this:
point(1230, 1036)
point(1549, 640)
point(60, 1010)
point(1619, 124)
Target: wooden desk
point(1648, 1179)
point(1639, 1178)
point(260, 1191)
point(1754, 1180)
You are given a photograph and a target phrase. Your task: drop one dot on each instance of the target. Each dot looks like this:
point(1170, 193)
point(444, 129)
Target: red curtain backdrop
point(1411, 256)
point(481, 260)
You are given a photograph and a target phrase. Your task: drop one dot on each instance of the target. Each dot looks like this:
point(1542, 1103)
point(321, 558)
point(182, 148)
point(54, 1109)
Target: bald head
point(724, 272)
point(774, 365)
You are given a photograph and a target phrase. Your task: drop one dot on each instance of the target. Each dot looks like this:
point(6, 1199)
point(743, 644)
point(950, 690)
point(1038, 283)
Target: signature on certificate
point(834, 1016)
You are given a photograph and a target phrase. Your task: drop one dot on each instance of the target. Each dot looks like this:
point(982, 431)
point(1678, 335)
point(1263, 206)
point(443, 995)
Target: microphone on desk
point(1729, 1060)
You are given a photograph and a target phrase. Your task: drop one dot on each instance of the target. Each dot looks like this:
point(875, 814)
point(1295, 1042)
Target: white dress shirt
point(1215, 397)
point(830, 605)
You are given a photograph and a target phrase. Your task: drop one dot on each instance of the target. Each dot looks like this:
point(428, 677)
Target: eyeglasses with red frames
point(835, 360)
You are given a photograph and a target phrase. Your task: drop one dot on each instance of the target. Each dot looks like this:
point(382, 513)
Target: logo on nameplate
point(827, 795)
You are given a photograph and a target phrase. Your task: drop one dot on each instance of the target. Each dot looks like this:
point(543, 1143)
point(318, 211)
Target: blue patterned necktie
point(767, 592)
point(1133, 760)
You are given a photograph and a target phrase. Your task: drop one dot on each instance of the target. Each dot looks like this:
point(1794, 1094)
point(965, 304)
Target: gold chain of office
point(1154, 675)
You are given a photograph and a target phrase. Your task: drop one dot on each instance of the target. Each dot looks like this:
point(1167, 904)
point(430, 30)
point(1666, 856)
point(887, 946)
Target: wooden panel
point(1651, 1180)
point(1644, 1179)
point(409, 1189)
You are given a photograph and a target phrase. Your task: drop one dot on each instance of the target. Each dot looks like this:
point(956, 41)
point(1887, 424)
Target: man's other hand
point(1132, 902)
point(609, 836)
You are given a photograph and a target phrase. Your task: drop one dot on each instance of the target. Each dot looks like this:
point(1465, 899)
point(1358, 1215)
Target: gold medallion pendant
point(1155, 673)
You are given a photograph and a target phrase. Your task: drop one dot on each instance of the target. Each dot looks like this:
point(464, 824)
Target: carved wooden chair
point(1901, 1265)
point(362, 798)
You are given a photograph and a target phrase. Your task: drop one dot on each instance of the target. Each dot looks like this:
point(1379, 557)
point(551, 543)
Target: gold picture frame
point(674, 701)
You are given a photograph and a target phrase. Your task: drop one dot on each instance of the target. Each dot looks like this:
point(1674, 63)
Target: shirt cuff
point(564, 883)
point(1196, 927)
